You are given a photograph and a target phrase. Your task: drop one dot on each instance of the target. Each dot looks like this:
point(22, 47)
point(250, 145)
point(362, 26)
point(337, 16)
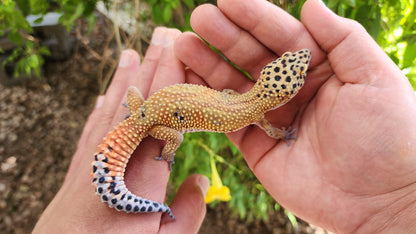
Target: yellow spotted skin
point(180, 108)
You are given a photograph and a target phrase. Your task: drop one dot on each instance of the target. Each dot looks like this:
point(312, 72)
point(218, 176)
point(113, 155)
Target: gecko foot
point(289, 134)
point(171, 162)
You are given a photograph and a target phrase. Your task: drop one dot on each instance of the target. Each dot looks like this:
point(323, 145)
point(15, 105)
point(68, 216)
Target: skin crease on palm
point(352, 167)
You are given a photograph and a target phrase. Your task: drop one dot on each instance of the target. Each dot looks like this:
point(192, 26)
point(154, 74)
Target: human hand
point(353, 165)
point(76, 208)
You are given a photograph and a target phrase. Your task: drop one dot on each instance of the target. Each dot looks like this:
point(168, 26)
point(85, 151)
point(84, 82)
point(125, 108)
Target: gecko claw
point(289, 135)
point(170, 164)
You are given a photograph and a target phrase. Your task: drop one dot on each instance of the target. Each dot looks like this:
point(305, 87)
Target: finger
point(206, 63)
point(271, 26)
point(146, 176)
point(353, 62)
point(279, 33)
point(89, 125)
point(192, 78)
point(102, 118)
point(140, 176)
point(83, 140)
point(128, 64)
point(138, 167)
point(169, 70)
point(237, 44)
point(188, 206)
point(144, 79)
point(268, 25)
point(144, 76)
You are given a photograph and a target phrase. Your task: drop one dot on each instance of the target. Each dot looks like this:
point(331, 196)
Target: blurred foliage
point(174, 13)
point(27, 56)
point(392, 23)
point(249, 198)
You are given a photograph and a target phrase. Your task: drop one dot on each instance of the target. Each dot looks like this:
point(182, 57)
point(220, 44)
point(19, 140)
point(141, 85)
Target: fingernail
point(126, 58)
point(99, 102)
point(203, 184)
point(158, 36)
point(170, 37)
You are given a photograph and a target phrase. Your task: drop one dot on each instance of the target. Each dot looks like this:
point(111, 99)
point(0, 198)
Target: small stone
point(9, 164)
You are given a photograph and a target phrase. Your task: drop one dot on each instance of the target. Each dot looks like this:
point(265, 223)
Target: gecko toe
point(289, 135)
point(170, 164)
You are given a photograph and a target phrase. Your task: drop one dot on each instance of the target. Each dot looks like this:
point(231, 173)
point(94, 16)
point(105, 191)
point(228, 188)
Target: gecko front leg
point(134, 99)
point(276, 133)
point(174, 139)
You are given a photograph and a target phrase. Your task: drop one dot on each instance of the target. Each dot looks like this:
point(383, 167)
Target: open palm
point(354, 163)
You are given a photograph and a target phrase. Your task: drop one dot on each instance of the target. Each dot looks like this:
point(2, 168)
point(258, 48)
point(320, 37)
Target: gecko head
point(282, 79)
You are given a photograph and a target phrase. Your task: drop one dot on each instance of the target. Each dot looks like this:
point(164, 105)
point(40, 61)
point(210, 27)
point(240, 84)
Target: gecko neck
point(264, 97)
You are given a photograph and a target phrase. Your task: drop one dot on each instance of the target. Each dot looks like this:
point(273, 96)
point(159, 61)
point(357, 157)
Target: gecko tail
point(108, 168)
point(114, 192)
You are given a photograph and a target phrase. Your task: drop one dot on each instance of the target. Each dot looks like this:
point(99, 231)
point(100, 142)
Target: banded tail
point(108, 171)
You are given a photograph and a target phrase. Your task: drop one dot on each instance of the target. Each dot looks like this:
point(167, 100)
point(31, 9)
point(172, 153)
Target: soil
point(40, 123)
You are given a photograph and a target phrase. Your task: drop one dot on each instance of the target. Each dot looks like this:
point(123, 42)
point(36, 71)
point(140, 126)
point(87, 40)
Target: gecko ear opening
point(134, 99)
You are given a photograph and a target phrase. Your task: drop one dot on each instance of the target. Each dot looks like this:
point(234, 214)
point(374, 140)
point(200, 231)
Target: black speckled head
point(282, 79)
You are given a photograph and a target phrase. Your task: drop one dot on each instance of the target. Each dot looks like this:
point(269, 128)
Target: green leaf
point(89, 8)
point(370, 17)
point(332, 4)
point(395, 59)
point(412, 79)
point(189, 3)
point(241, 208)
point(291, 218)
point(39, 7)
point(409, 56)
point(44, 51)
point(157, 14)
point(68, 19)
point(167, 13)
point(91, 22)
point(350, 3)
point(38, 20)
point(15, 37)
point(152, 2)
point(24, 6)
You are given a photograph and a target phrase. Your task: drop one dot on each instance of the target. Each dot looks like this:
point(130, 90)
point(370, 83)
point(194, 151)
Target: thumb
point(188, 206)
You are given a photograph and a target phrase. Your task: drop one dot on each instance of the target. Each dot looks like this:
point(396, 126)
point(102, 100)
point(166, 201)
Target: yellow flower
point(217, 191)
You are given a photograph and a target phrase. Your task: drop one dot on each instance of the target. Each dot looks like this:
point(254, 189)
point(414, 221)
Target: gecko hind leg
point(172, 137)
point(277, 133)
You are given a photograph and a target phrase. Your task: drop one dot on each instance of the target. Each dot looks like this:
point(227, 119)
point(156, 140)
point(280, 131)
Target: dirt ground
point(40, 123)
